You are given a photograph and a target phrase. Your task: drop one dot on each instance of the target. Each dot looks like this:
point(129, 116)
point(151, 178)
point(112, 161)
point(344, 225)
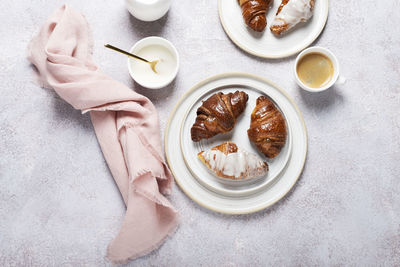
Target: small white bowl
point(153, 40)
point(324, 51)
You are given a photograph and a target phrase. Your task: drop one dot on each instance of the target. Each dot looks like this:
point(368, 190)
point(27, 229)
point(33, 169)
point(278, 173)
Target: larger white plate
point(228, 199)
point(265, 44)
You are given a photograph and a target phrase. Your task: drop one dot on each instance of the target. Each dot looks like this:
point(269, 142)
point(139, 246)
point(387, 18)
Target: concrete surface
point(59, 205)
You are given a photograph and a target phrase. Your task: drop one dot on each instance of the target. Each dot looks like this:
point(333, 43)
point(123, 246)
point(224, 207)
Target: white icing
point(293, 12)
point(240, 165)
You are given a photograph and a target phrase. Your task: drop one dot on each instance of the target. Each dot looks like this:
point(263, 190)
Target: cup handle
point(340, 80)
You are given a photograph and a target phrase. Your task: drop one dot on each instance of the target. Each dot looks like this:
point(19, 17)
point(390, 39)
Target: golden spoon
point(152, 63)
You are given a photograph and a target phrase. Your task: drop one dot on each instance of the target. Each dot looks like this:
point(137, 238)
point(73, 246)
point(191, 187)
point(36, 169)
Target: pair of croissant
point(289, 14)
point(219, 113)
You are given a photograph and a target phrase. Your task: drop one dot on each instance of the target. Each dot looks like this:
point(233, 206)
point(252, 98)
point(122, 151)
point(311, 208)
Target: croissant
point(227, 161)
point(218, 114)
point(290, 13)
point(254, 13)
point(267, 128)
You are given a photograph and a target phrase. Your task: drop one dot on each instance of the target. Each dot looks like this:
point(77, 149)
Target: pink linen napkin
point(126, 125)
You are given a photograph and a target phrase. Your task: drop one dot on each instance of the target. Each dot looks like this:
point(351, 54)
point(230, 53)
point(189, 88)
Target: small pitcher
point(148, 10)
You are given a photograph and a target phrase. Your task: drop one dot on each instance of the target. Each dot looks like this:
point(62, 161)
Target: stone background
point(59, 205)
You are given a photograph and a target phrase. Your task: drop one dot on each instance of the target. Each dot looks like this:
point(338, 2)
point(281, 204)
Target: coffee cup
point(316, 69)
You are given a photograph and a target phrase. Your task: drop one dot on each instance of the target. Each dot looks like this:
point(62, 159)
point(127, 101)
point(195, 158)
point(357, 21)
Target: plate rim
point(216, 77)
point(254, 53)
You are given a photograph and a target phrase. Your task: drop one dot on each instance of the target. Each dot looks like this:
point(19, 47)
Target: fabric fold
point(126, 126)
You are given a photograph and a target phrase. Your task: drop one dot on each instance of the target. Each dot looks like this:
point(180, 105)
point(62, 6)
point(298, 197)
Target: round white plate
point(225, 197)
point(239, 136)
point(266, 44)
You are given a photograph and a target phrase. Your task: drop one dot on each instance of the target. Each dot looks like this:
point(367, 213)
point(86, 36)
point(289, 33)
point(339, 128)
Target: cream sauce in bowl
point(154, 48)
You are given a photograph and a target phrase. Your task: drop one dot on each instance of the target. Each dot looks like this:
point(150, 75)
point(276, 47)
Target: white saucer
point(266, 44)
point(209, 191)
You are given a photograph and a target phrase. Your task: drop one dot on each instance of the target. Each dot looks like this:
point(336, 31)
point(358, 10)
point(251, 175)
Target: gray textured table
point(58, 202)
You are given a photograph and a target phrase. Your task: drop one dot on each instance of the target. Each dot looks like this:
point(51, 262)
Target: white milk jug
point(148, 10)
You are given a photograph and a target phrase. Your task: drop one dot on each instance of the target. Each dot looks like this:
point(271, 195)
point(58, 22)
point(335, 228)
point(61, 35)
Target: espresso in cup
point(315, 70)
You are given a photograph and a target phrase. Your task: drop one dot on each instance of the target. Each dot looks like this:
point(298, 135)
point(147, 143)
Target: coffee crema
point(315, 70)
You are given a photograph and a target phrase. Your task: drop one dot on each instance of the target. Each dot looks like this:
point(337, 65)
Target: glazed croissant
point(267, 128)
point(227, 161)
point(218, 114)
point(254, 13)
point(290, 13)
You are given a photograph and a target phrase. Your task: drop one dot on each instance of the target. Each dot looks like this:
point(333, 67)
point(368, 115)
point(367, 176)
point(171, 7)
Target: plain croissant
point(227, 161)
point(254, 13)
point(267, 128)
point(290, 13)
point(218, 114)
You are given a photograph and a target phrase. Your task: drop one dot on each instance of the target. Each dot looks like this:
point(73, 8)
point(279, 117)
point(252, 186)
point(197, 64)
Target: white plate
point(239, 136)
point(266, 44)
point(225, 201)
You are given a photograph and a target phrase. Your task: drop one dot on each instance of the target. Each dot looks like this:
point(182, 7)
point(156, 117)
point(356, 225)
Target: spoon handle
point(124, 52)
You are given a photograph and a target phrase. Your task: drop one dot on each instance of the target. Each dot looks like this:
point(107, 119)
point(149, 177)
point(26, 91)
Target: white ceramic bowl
point(153, 40)
point(335, 79)
point(149, 10)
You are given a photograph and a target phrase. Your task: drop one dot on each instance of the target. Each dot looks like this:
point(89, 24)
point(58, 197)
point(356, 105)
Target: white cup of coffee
point(316, 69)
